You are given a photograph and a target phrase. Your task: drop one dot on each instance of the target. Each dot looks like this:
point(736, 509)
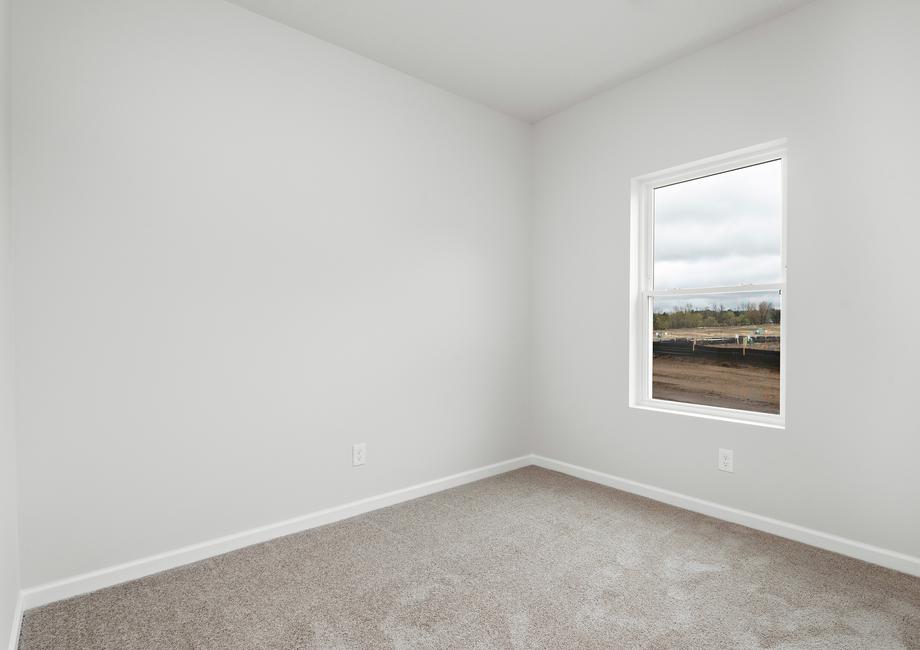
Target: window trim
point(641, 291)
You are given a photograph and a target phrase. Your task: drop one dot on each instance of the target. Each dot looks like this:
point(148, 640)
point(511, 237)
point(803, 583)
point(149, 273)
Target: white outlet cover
point(726, 460)
point(359, 454)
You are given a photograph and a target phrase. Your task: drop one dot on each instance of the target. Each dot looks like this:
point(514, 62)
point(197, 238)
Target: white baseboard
point(866, 552)
point(87, 582)
point(16, 624)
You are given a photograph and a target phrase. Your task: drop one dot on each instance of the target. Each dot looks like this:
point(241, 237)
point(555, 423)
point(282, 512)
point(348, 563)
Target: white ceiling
point(527, 58)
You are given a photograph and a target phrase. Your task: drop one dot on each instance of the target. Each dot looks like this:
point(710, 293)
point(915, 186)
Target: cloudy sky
point(720, 230)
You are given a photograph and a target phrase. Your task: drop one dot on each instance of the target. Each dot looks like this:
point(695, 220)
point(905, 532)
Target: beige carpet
point(528, 559)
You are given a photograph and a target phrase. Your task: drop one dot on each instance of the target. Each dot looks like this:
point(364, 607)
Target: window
point(707, 284)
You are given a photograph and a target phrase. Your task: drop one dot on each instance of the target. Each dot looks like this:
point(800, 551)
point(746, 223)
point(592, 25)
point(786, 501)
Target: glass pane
point(721, 230)
point(718, 350)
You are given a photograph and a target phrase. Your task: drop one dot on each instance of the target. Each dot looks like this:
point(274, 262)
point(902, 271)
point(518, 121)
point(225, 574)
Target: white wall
point(240, 250)
point(9, 553)
point(840, 80)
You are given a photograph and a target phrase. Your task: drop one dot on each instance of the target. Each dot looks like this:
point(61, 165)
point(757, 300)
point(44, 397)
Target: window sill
point(713, 413)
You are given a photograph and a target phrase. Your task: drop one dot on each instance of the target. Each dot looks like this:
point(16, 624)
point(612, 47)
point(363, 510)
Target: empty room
point(368, 324)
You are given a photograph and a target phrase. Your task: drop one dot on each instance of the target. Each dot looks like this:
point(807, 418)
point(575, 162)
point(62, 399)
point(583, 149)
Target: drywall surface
point(9, 525)
point(239, 251)
point(839, 80)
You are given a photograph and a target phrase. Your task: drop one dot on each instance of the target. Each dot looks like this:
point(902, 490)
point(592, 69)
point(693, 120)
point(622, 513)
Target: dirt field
point(715, 383)
point(699, 333)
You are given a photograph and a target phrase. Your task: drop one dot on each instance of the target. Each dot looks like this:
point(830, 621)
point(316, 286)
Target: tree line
point(762, 313)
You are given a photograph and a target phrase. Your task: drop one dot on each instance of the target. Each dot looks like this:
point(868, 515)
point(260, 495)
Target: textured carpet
point(528, 559)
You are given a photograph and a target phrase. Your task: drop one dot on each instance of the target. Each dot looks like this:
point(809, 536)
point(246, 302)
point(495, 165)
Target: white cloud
point(720, 230)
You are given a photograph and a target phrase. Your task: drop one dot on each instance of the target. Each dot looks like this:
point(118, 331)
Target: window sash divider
point(707, 291)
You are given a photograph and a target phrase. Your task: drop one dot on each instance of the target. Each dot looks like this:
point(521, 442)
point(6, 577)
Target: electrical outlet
point(359, 454)
point(726, 460)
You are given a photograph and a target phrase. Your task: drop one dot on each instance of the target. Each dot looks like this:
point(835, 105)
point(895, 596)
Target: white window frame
point(641, 287)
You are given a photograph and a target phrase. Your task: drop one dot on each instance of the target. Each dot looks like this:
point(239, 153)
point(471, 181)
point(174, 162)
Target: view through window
point(717, 278)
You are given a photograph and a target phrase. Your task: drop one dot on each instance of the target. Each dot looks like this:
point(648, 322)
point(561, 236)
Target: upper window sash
point(644, 205)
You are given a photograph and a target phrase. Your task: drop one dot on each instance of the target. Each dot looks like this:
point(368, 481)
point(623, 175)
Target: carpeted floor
point(528, 559)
